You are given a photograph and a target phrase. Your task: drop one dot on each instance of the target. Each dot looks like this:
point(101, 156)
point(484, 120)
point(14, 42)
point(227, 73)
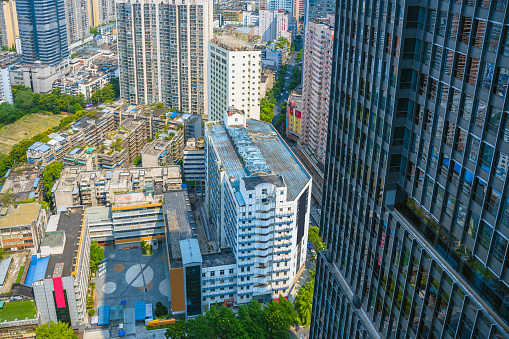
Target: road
point(284, 95)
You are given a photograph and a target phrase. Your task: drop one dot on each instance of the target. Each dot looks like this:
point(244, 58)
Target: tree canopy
point(315, 239)
point(252, 321)
point(51, 330)
point(96, 255)
point(50, 174)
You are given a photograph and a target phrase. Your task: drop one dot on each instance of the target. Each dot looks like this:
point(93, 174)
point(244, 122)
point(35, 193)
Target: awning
point(59, 292)
point(104, 315)
point(139, 310)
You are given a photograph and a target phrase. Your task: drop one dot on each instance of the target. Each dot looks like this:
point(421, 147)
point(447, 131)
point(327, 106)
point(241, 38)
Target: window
point(472, 71)
point(466, 184)
point(501, 165)
point(212, 273)
point(505, 212)
point(459, 66)
point(494, 37)
point(480, 32)
point(501, 82)
point(454, 101)
point(465, 29)
point(466, 106)
point(485, 235)
point(480, 191)
point(430, 23)
point(442, 23)
point(500, 5)
point(493, 202)
point(449, 58)
point(437, 57)
point(442, 95)
point(487, 70)
point(505, 42)
point(480, 113)
point(453, 26)
point(433, 160)
point(408, 79)
point(473, 224)
point(428, 192)
point(449, 206)
point(461, 139)
point(415, 17)
point(499, 247)
point(439, 195)
point(412, 49)
point(487, 157)
point(461, 214)
point(433, 88)
point(423, 155)
point(426, 55)
point(221, 272)
point(493, 120)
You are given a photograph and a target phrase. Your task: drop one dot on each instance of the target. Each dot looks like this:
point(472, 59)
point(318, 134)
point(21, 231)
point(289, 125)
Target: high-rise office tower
point(287, 5)
point(77, 21)
point(8, 24)
point(316, 83)
point(163, 48)
point(234, 77)
point(415, 212)
point(43, 32)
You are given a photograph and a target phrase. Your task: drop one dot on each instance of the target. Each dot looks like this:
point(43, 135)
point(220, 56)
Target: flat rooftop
point(218, 259)
point(231, 43)
point(155, 147)
point(70, 223)
point(179, 221)
point(255, 151)
point(23, 215)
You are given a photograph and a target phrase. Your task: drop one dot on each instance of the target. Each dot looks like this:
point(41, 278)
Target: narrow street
point(284, 95)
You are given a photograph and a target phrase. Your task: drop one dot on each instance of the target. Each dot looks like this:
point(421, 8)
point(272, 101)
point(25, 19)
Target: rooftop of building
point(70, 222)
point(120, 179)
point(21, 182)
point(155, 147)
point(9, 58)
point(295, 98)
point(231, 43)
point(22, 215)
point(257, 150)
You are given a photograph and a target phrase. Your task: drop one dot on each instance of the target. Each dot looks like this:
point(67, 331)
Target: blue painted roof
point(35, 145)
point(31, 195)
point(174, 115)
point(74, 151)
point(37, 270)
point(103, 317)
point(36, 182)
point(139, 310)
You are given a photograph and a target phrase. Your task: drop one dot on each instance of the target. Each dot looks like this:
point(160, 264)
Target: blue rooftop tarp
point(104, 315)
point(7, 173)
point(174, 115)
point(36, 182)
point(31, 195)
point(139, 310)
point(37, 270)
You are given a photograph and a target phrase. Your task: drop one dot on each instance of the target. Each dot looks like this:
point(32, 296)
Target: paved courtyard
point(132, 277)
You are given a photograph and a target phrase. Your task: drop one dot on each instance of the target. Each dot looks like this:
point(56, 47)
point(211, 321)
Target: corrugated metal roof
point(190, 250)
point(139, 310)
point(4, 269)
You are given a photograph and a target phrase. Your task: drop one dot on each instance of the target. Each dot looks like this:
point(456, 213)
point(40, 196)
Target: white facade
point(76, 16)
point(273, 24)
point(5, 86)
point(258, 198)
point(251, 18)
point(234, 78)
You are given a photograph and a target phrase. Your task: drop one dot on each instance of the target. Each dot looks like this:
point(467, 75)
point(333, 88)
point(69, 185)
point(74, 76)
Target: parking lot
point(132, 277)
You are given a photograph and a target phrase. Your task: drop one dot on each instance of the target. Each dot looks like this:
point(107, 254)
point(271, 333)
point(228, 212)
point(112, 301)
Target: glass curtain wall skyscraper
point(43, 32)
point(415, 205)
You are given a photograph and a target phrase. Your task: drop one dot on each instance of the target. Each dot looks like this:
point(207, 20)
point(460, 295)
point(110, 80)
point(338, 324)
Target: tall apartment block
point(273, 24)
point(298, 9)
point(316, 82)
point(415, 213)
point(8, 24)
point(234, 77)
point(43, 32)
point(101, 12)
point(287, 5)
point(162, 49)
point(257, 198)
point(318, 9)
point(77, 21)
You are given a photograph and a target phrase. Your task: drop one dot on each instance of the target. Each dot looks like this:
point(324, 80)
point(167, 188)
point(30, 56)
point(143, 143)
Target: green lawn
point(18, 310)
point(20, 273)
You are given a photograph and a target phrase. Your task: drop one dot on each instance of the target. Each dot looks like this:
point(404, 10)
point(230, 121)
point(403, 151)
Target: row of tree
point(268, 103)
point(296, 78)
point(252, 321)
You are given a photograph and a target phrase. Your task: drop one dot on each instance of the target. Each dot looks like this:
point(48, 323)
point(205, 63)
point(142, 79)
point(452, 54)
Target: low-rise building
point(266, 81)
point(193, 164)
point(294, 115)
point(85, 82)
point(22, 183)
point(38, 77)
point(62, 269)
point(97, 188)
point(84, 157)
point(273, 56)
point(167, 149)
point(6, 61)
point(22, 227)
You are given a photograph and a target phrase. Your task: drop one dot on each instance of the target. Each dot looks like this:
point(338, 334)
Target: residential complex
point(43, 31)
point(60, 271)
point(8, 24)
point(22, 227)
point(39, 77)
point(77, 21)
point(234, 77)
point(101, 12)
point(257, 198)
point(287, 5)
point(273, 24)
point(413, 210)
point(97, 188)
point(6, 60)
point(167, 149)
point(315, 9)
point(162, 52)
point(316, 83)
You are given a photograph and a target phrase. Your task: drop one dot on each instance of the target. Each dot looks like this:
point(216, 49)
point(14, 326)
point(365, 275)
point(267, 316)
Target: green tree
point(176, 331)
point(51, 330)
point(137, 161)
point(299, 55)
point(50, 174)
point(315, 239)
point(304, 303)
point(96, 255)
point(94, 31)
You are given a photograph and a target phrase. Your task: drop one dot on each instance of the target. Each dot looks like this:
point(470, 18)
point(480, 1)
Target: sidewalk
point(301, 279)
